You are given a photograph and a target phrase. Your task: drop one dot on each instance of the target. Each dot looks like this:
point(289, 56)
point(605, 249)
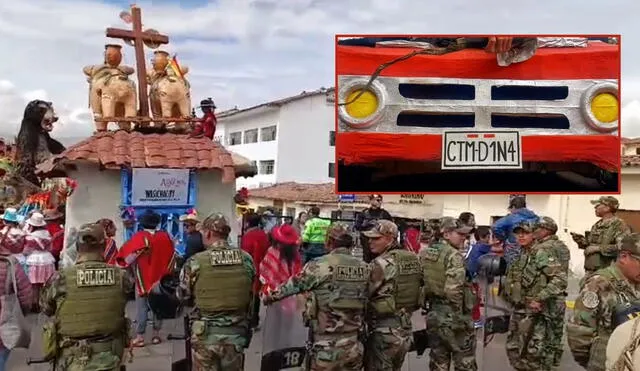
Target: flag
point(175, 66)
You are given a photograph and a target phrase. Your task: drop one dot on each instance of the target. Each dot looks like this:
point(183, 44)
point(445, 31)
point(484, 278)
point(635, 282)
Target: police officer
point(535, 287)
point(90, 331)
point(366, 220)
point(545, 235)
point(600, 245)
point(337, 283)
point(608, 298)
point(394, 294)
point(449, 299)
point(220, 281)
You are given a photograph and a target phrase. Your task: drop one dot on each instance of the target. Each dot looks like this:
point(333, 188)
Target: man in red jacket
point(150, 254)
point(256, 243)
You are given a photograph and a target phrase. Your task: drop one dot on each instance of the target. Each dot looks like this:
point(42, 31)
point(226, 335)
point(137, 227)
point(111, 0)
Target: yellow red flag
point(175, 66)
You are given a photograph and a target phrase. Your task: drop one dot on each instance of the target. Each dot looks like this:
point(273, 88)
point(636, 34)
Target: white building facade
point(291, 139)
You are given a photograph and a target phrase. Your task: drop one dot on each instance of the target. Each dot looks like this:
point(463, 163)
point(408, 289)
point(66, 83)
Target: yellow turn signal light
point(604, 107)
point(363, 107)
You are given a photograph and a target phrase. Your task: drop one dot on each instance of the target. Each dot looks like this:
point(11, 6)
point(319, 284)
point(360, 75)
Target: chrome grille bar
point(482, 106)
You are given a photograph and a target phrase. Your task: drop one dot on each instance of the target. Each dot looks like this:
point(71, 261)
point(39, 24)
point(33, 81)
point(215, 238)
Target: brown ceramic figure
point(169, 94)
point(111, 92)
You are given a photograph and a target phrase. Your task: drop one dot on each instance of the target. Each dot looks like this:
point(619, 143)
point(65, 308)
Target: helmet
point(163, 300)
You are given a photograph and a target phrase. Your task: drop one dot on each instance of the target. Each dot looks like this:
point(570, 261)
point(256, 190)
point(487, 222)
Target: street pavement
point(159, 357)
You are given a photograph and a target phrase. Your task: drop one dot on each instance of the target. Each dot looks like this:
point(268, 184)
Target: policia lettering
point(350, 273)
point(96, 277)
point(225, 257)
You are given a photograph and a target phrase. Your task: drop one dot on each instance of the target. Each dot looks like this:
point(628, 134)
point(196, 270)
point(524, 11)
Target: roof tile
point(300, 192)
point(123, 149)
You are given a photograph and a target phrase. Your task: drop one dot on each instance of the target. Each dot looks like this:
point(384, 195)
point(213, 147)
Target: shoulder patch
point(225, 257)
point(590, 300)
point(94, 277)
point(350, 273)
point(431, 254)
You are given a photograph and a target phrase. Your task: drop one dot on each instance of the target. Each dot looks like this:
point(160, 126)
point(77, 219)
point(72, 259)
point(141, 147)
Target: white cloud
point(281, 47)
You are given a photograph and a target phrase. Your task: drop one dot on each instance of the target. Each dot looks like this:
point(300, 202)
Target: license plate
point(478, 150)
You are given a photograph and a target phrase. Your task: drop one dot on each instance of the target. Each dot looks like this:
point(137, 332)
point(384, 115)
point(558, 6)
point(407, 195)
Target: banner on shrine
point(160, 187)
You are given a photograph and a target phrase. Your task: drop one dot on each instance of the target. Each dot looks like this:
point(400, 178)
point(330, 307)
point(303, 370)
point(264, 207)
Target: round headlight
point(604, 107)
point(369, 106)
point(600, 106)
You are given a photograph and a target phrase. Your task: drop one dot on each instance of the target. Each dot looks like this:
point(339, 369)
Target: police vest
point(346, 290)
point(223, 284)
point(407, 284)
point(94, 304)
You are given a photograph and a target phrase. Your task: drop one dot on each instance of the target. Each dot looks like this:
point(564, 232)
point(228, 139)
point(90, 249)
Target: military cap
point(448, 224)
point(526, 226)
point(91, 234)
point(216, 222)
point(547, 223)
point(382, 228)
point(610, 201)
point(630, 243)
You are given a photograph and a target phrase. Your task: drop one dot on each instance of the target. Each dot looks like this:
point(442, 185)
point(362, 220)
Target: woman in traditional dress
point(282, 260)
point(12, 236)
point(110, 250)
point(40, 261)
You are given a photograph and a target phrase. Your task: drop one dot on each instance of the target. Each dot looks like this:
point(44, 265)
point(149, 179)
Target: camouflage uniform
point(603, 297)
point(394, 294)
point(89, 331)
point(336, 320)
point(220, 280)
point(536, 276)
point(564, 256)
point(449, 300)
point(600, 246)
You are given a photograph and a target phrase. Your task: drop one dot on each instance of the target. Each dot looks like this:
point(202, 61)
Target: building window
point(332, 138)
point(332, 170)
point(235, 138)
point(266, 167)
point(291, 211)
point(268, 134)
point(251, 136)
point(638, 151)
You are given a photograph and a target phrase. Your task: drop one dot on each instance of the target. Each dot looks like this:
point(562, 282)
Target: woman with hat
point(40, 262)
point(193, 243)
point(55, 226)
point(282, 260)
point(12, 236)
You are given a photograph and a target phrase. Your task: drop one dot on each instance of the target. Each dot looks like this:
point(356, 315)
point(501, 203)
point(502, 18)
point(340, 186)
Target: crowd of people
point(345, 294)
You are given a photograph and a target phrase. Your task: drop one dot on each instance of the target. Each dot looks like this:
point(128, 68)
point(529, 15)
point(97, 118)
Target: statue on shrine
point(169, 93)
point(111, 92)
point(34, 144)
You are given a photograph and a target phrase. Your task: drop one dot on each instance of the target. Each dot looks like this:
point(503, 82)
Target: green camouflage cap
point(547, 223)
point(630, 243)
point(449, 224)
point(91, 234)
point(216, 222)
point(337, 230)
point(426, 234)
point(382, 228)
point(610, 201)
point(526, 226)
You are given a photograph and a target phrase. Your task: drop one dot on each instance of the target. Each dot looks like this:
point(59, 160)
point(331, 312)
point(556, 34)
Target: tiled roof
point(300, 192)
point(115, 150)
point(631, 161)
point(630, 140)
point(276, 103)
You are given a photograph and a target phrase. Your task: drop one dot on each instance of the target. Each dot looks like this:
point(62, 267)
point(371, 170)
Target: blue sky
point(246, 52)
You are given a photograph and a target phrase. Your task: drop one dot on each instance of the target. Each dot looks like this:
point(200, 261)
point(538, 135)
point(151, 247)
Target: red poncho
point(274, 270)
point(151, 255)
point(110, 251)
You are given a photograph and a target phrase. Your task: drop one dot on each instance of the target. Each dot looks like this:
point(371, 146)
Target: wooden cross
point(139, 38)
